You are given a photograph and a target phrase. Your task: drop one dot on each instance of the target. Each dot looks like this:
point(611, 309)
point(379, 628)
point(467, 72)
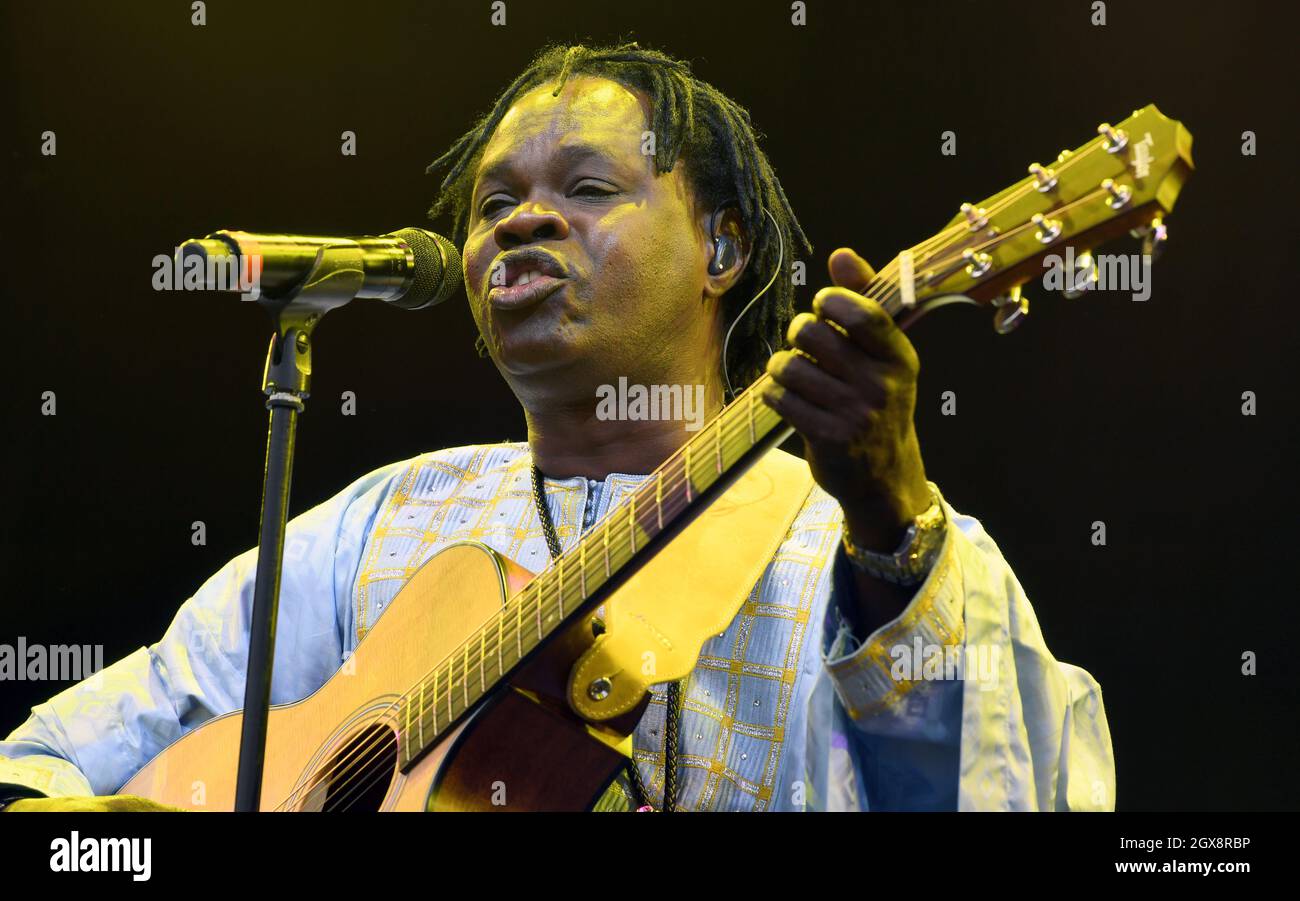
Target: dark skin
point(638, 301)
point(636, 251)
point(638, 258)
point(849, 388)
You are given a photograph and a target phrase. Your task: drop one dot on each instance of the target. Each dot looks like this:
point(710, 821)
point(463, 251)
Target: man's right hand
point(103, 804)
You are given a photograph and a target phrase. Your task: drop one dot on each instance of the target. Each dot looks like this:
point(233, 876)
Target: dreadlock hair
point(724, 166)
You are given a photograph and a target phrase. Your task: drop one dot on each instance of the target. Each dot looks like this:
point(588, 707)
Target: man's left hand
point(849, 388)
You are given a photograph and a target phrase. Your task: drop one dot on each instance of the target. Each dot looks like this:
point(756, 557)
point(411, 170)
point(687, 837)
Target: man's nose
point(530, 223)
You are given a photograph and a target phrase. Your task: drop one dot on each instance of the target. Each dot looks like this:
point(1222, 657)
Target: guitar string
point(963, 228)
point(1016, 193)
point(1017, 229)
point(881, 286)
point(542, 603)
point(993, 241)
point(449, 663)
point(872, 290)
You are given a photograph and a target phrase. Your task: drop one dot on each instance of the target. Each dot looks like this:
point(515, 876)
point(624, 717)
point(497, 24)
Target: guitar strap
point(690, 590)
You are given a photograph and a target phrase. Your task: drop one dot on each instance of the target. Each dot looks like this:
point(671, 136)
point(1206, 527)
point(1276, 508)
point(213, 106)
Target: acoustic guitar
point(477, 690)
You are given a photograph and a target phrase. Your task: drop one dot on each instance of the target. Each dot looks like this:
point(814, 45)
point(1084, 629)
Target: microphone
point(411, 268)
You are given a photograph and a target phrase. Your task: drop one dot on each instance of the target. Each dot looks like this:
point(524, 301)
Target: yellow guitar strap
point(690, 590)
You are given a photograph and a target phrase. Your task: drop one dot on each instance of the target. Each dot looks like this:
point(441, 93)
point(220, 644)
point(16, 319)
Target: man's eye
point(593, 191)
point(493, 206)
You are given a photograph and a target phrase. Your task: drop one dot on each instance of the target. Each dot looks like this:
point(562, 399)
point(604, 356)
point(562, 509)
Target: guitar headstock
point(1125, 179)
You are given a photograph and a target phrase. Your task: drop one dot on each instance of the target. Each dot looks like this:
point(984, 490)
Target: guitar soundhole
point(357, 776)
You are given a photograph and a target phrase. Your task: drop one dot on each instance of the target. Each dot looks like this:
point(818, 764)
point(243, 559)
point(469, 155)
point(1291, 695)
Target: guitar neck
point(1127, 177)
point(673, 495)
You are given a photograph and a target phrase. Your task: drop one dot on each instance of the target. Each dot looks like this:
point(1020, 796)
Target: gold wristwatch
point(910, 564)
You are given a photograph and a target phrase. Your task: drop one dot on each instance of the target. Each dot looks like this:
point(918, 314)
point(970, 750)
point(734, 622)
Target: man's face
point(564, 188)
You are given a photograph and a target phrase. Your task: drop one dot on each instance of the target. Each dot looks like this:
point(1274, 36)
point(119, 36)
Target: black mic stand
point(335, 278)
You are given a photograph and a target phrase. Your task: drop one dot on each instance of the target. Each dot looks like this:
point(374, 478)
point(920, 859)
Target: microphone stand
point(335, 278)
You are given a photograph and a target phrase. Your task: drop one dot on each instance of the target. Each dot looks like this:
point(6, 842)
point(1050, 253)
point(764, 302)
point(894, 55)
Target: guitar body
point(337, 749)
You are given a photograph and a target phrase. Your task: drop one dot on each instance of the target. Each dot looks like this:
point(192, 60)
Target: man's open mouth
point(529, 278)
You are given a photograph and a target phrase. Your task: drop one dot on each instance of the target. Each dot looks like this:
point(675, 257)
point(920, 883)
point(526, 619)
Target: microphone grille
point(437, 272)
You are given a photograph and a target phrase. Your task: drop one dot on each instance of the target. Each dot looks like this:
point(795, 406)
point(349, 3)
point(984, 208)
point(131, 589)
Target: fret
point(482, 652)
point(631, 520)
point(659, 499)
point(688, 473)
point(559, 565)
point(750, 405)
point(435, 713)
point(717, 434)
point(605, 537)
point(539, 609)
point(519, 630)
point(408, 727)
point(582, 567)
point(435, 700)
point(465, 672)
point(501, 666)
point(451, 684)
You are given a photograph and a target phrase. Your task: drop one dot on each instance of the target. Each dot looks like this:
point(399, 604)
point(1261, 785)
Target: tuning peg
point(1116, 138)
point(1012, 308)
point(1045, 177)
point(1048, 229)
point(1081, 282)
point(977, 263)
point(1153, 238)
point(1119, 194)
point(975, 217)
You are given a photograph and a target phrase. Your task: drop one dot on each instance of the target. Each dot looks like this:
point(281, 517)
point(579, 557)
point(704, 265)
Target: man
point(617, 218)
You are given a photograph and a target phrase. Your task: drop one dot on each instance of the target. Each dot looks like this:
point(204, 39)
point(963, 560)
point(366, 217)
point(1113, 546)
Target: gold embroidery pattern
point(756, 659)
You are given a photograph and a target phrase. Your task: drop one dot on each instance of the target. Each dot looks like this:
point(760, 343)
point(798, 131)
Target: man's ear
point(727, 250)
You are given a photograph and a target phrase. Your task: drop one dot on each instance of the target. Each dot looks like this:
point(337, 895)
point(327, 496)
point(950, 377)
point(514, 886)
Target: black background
point(1098, 409)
